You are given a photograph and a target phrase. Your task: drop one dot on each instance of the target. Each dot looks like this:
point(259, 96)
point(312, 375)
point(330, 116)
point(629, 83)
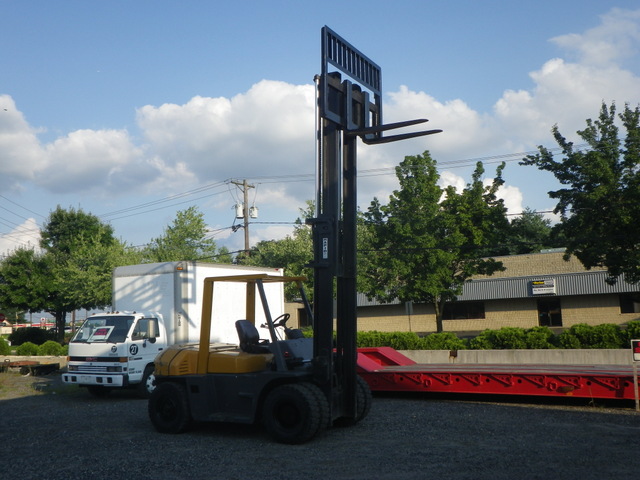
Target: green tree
point(295, 252)
point(23, 281)
point(185, 239)
point(529, 232)
point(292, 253)
point(425, 246)
point(72, 271)
point(599, 204)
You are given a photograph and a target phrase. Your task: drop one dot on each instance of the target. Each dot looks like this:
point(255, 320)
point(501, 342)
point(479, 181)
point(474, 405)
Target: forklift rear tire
point(291, 413)
point(169, 408)
point(364, 399)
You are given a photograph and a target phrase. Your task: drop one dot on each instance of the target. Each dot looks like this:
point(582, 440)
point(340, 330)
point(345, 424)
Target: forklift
point(295, 386)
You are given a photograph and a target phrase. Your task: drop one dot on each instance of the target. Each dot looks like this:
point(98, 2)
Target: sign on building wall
point(543, 287)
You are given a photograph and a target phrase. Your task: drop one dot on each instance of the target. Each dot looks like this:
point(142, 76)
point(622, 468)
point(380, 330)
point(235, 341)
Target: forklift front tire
point(291, 413)
point(169, 408)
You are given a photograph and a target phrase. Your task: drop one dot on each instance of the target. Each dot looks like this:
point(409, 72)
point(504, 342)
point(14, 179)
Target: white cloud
point(85, 159)
point(614, 40)
point(268, 131)
point(20, 151)
point(26, 235)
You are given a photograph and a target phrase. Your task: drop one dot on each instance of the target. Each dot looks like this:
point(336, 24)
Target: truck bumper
point(95, 379)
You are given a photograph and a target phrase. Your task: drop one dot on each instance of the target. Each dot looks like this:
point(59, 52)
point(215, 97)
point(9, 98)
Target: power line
point(24, 208)
point(170, 198)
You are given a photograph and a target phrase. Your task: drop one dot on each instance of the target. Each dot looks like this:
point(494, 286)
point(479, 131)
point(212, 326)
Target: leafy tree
point(425, 246)
point(295, 252)
point(530, 232)
point(64, 228)
point(600, 202)
point(23, 281)
point(72, 271)
point(292, 253)
point(185, 239)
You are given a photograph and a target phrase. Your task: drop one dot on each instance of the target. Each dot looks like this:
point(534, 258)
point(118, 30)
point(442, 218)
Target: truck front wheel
point(169, 408)
point(291, 413)
point(148, 383)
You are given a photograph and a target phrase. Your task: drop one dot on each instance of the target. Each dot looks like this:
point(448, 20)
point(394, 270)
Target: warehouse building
point(535, 289)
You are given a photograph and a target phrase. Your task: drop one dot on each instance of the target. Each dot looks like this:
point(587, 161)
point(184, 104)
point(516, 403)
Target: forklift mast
point(347, 109)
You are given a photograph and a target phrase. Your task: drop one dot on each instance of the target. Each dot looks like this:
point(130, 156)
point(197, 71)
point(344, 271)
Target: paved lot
point(67, 434)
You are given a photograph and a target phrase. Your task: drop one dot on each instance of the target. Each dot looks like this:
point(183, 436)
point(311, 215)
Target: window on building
point(463, 310)
point(303, 319)
point(549, 313)
point(630, 303)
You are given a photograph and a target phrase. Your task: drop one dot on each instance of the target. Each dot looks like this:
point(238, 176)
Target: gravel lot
point(53, 432)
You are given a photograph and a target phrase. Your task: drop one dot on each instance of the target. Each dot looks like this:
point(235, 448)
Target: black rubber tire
point(169, 408)
point(147, 385)
point(99, 392)
point(364, 399)
point(323, 405)
point(291, 413)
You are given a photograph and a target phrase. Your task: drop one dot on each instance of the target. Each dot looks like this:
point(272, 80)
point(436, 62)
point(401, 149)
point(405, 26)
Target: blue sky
point(133, 110)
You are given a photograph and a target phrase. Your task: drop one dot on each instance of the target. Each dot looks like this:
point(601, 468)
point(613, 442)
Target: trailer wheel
point(169, 408)
point(148, 383)
point(291, 413)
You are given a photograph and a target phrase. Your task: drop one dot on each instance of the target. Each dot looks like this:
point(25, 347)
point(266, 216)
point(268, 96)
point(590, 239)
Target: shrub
point(404, 341)
point(396, 340)
point(580, 335)
point(632, 331)
point(5, 348)
point(608, 335)
point(50, 348)
point(540, 338)
point(31, 334)
point(369, 339)
point(442, 341)
point(27, 349)
point(502, 339)
point(482, 341)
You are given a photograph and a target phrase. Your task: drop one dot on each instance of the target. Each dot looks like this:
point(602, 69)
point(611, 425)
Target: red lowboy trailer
point(387, 370)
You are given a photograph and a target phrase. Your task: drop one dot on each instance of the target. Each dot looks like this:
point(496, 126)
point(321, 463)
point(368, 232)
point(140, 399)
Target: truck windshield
point(109, 329)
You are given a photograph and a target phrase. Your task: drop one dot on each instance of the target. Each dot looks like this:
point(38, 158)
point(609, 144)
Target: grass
point(15, 385)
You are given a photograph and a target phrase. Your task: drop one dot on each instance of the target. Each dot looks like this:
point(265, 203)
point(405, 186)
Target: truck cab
point(116, 350)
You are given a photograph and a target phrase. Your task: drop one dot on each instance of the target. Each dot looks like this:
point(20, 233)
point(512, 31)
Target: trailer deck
point(387, 370)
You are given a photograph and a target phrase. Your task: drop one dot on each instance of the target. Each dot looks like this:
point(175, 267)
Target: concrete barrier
point(524, 357)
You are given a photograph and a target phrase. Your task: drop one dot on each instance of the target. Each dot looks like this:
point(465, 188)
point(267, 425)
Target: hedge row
point(578, 336)
point(48, 348)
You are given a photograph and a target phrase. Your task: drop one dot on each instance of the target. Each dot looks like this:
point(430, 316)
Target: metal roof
point(566, 284)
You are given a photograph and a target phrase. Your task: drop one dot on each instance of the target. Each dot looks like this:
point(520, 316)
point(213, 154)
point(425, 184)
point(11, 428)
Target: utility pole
point(245, 186)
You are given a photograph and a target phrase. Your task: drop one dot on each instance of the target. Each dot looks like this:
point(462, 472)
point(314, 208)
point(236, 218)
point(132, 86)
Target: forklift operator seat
point(250, 338)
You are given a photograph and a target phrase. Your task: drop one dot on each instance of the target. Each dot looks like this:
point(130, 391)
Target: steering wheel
point(281, 320)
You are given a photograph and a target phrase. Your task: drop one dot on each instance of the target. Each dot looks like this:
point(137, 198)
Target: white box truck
point(156, 305)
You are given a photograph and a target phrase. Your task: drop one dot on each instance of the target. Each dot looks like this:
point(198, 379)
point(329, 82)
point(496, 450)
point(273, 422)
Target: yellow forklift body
point(222, 358)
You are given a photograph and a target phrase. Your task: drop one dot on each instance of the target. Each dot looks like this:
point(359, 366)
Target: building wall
point(592, 309)
point(520, 312)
